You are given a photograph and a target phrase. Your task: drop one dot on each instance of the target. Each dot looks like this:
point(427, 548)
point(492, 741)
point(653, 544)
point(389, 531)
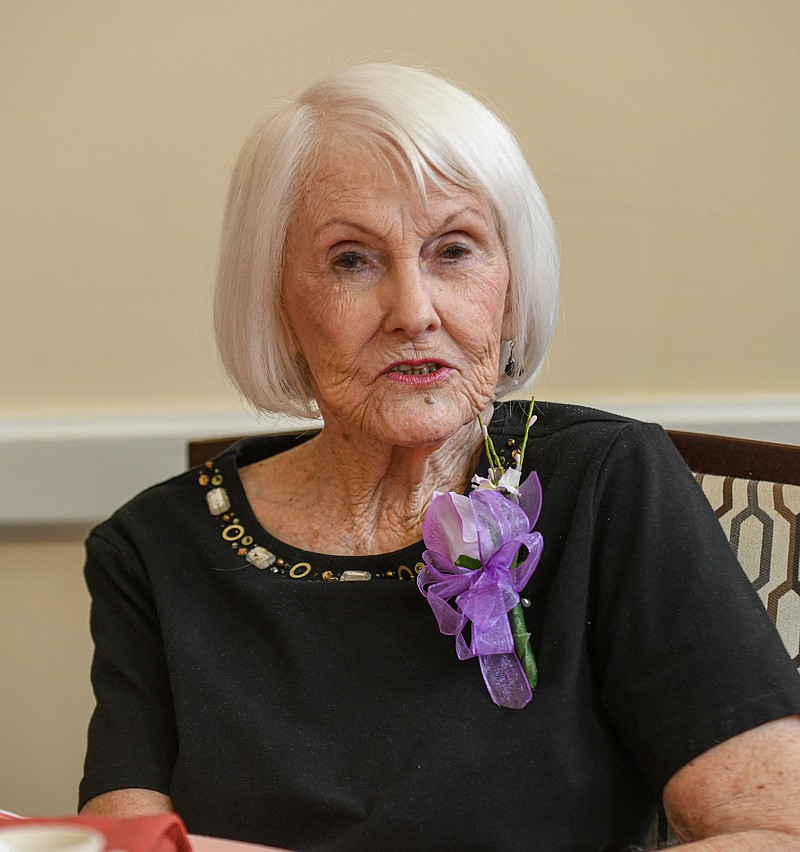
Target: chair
point(754, 489)
point(198, 452)
point(739, 458)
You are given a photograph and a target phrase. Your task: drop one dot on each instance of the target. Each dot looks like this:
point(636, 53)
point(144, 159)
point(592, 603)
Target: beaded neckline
point(250, 544)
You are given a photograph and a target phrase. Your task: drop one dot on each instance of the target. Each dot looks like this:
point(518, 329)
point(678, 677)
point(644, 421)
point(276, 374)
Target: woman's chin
point(428, 423)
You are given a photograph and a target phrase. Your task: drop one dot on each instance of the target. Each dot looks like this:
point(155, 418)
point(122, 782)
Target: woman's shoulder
point(582, 441)
point(554, 418)
point(184, 498)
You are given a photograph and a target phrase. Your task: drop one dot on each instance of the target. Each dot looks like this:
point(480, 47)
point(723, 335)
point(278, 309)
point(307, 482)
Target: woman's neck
point(348, 494)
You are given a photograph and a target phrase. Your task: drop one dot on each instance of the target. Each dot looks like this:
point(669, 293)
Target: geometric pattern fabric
point(761, 521)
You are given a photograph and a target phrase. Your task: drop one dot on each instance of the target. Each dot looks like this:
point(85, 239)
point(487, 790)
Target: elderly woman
point(266, 665)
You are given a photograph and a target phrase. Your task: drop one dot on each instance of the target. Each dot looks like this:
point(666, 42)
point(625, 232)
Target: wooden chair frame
point(739, 457)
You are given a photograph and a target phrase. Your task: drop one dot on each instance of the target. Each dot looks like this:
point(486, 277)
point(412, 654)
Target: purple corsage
point(473, 575)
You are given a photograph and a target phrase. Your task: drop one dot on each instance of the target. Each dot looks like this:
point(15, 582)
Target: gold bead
point(203, 479)
point(300, 570)
point(233, 532)
point(328, 575)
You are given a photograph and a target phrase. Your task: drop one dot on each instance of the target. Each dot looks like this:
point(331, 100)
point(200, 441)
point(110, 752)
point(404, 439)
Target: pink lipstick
point(417, 372)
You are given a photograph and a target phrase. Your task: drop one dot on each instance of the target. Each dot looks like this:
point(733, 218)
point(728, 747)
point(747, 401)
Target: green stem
point(527, 429)
point(494, 460)
point(522, 644)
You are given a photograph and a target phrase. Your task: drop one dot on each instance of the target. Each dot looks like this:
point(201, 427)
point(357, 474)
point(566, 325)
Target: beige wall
point(664, 134)
point(45, 650)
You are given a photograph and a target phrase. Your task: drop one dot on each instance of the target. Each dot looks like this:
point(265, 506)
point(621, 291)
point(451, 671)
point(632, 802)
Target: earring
point(512, 369)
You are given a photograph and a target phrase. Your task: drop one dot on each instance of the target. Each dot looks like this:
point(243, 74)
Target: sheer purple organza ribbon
point(492, 528)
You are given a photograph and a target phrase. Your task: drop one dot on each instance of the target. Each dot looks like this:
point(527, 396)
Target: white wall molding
point(144, 424)
point(75, 470)
point(767, 418)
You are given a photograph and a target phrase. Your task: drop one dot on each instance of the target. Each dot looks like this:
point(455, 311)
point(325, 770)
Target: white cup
point(51, 838)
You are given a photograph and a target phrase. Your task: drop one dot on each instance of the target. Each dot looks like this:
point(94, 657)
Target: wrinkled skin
point(374, 276)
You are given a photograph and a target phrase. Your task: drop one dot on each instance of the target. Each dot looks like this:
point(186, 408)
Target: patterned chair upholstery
point(754, 489)
point(761, 522)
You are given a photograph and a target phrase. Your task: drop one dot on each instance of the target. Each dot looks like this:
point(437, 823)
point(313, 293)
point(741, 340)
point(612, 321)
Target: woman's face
point(396, 305)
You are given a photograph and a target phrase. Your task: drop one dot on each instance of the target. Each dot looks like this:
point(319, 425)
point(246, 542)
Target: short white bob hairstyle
point(438, 134)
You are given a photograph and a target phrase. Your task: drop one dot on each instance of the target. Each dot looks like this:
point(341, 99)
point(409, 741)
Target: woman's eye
point(348, 261)
point(454, 251)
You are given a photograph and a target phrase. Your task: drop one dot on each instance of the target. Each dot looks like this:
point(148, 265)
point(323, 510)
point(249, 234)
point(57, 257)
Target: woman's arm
point(132, 738)
point(128, 803)
point(741, 794)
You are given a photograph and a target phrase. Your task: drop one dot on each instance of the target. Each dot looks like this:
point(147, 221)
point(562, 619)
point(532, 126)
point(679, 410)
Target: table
point(217, 844)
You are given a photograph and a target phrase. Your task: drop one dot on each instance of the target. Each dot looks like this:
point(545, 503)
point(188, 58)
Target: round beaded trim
point(233, 532)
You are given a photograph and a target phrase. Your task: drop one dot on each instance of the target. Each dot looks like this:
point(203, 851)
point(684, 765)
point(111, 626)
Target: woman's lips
point(417, 372)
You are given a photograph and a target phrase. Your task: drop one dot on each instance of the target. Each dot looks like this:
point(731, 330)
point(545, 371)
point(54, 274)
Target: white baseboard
point(74, 471)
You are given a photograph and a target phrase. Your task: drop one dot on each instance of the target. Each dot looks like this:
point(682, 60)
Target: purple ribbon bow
point(490, 527)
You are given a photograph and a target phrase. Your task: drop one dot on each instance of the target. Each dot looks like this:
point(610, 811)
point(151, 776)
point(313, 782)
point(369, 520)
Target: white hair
point(430, 127)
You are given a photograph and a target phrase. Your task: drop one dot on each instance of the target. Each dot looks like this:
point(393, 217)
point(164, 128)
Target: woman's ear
point(292, 344)
point(507, 327)
point(289, 338)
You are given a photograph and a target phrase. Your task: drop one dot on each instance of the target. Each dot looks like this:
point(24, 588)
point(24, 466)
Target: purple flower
point(489, 528)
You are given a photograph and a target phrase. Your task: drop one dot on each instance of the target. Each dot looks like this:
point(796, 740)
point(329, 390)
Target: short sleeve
point(132, 737)
point(686, 654)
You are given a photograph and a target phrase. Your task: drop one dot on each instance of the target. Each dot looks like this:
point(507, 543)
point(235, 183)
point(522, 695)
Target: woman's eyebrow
point(347, 223)
point(462, 211)
point(370, 231)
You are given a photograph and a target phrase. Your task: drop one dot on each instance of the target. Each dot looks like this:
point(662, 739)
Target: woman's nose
point(409, 305)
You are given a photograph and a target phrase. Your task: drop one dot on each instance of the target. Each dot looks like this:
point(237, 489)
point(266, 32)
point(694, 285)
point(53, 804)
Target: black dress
point(284, 706)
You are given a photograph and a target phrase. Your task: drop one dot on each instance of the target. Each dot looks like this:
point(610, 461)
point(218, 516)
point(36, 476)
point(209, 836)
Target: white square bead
point(260, 557)
point(218, 502)
point(355, 575)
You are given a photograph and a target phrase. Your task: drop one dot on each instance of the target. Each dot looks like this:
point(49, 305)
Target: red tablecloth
point(157, 833)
